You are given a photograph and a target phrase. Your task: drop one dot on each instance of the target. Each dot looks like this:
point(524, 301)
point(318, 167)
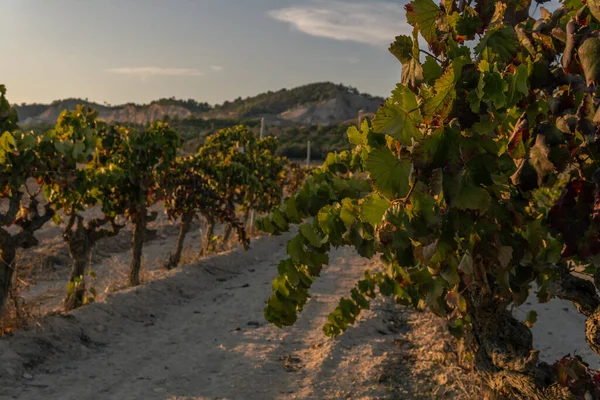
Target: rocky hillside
point(128, 113)
point(318, 103)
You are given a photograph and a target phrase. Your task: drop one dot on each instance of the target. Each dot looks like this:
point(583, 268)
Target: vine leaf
point(431, 70)
point(372, 208)
point(400, 116)
point(589, 56)
point(594, 7)
point(295, 249)
point(472, 197)
point(531, 318)
point(468, 24)
point(517, 85)
point(309, 234)
point(390, 175)
point(355, 136)
point(498, 44)
point(441, 104)
point(492, 88)
point(424, 15)
point(406, 50)
point(7, 142)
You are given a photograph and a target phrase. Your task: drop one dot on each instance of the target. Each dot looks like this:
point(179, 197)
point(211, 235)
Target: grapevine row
point(84, 163)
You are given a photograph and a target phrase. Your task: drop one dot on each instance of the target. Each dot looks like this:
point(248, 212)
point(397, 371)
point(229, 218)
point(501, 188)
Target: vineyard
point(473, 192)
point(83, 163)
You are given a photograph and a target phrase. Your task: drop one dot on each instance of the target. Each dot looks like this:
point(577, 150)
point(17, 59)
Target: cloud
point(376, 23)
point(216, 68)
point(145, 72)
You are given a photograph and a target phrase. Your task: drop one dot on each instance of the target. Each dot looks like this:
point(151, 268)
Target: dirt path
point(200, 334)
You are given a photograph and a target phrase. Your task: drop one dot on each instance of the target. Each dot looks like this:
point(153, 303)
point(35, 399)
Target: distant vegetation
point(265, 103)
point(284, 99)
point(200, 119)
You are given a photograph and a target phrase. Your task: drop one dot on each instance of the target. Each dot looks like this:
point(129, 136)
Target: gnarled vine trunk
point(8, 253)
point(206, 239)
point(80, 249)
point(503, 352)
point(227, 235)
point(139, 231)
point(184, 228)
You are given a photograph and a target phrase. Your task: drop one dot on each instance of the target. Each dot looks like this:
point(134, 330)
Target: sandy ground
point(199, 333)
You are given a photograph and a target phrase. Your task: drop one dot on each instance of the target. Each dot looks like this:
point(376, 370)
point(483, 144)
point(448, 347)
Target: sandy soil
point(199, 333)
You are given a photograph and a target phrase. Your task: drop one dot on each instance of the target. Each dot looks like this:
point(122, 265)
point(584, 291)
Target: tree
point(481, 180)
point(83, 187)
point(258, 183)
point(142, 156)
point(21, 157)
point(192, 190)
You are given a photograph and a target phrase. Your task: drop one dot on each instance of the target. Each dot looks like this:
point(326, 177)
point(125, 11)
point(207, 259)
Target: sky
point(120, 51)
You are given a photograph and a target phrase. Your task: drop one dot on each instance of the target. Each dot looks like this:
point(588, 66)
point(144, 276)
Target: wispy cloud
point(376, 23)
point(217, 68)
point(145, 72)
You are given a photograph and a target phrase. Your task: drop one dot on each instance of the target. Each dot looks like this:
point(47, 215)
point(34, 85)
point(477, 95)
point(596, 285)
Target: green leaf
point(471, 197)
point(290, 210)
point(402, 48)
point(295, 248)
point(589, 55)
point(400, 116)
point(469, 23)
point(498, 44)
point(60, 147)
point(517, 86)
point(492, 88)
point(354, 136)
point(431, 70)
point(372, 208)
point(390, 175)
point(78, 150)
point(450, 274)
point(424, 14)
point(7, 142)
point(309, 234)
point(279, 220)
point(531, 318)
point(442, 103)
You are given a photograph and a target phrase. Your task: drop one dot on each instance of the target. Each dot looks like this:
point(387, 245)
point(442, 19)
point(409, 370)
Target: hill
point(317, 103)
point(322, 103)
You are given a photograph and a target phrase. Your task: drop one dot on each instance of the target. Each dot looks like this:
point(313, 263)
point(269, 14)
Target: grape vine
point(83, 163)
point(476, 180)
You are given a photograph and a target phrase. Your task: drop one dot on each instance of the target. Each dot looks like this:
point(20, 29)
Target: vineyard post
point(308, 155)
point(251, 223)
point(262, 127)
